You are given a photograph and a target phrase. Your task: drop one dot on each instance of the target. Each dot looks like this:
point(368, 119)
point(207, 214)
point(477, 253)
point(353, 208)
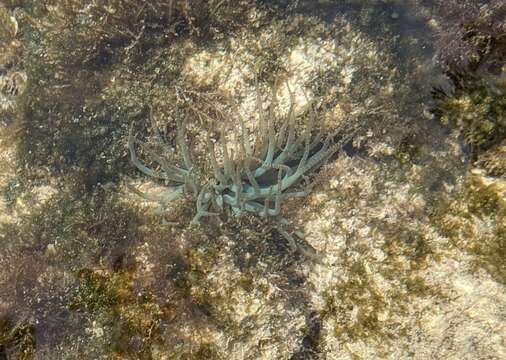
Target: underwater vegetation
point(471, 35)
point(476, 108)
point(76, 55)
point(254, 177)
point(473, 219)
point(474, 62)
point(90, 270)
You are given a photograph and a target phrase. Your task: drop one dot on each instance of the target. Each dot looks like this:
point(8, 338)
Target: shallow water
point(408, 218)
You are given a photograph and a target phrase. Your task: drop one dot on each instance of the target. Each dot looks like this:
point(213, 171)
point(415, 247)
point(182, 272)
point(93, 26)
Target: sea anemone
point(251, 176)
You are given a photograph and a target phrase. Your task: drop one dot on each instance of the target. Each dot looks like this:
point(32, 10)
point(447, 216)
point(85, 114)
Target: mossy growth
point(92, 69)
point(357, 292)
point(217, 305)
point(408, 151)
point(494, 160)
point(97, 291)
point(79, 228)
point(57, 239)
point(475, 221)
point(366, 303)
point(79, 282)
point(73, 126)
point(477, 110)
point(256, 241)
point(360, 309)
point(16, 340)
point(131, 322)
point(407, 244)
point(230, 279)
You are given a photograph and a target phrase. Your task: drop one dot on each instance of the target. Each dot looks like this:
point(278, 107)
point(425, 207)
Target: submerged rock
point(409, 217)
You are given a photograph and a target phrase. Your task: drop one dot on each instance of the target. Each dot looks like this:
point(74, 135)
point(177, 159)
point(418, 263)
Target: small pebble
point(51, 250)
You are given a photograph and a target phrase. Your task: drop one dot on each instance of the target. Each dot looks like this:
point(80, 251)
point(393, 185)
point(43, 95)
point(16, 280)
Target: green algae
point(84, 249)
point(96, 291)
point(475, 221)
point(478, 112)
point(408, 151)
point(109, 298)
point(16, 340)
point(106, 303)
point(359, 310)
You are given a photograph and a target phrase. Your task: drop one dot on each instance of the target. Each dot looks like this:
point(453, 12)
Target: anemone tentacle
point(255, 177)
